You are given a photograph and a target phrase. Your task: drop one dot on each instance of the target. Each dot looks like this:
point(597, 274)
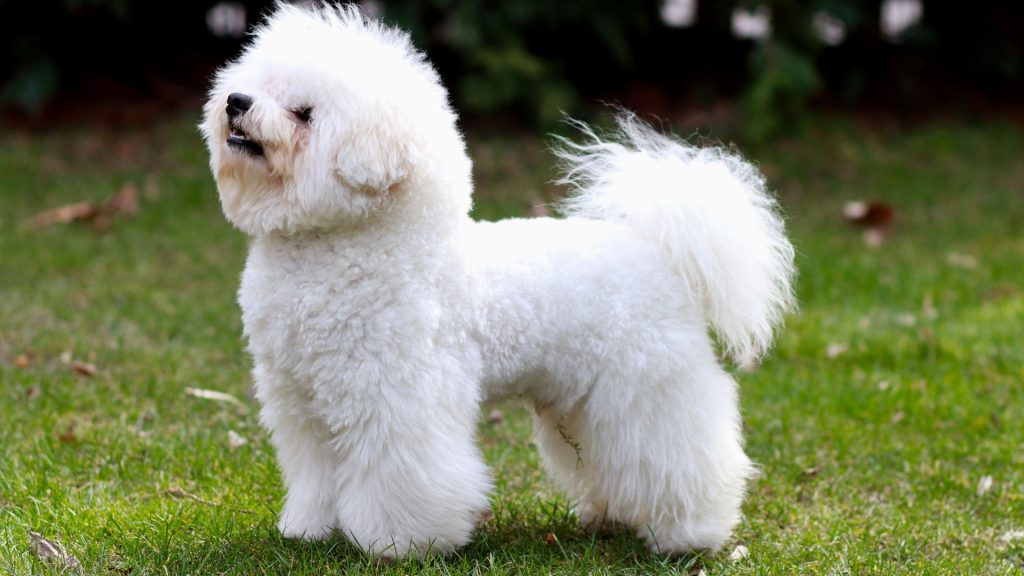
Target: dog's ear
point(374, 160)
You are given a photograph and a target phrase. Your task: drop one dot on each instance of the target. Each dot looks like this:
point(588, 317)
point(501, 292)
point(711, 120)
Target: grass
point(889, 398)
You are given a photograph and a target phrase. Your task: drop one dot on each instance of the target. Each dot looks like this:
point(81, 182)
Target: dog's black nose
point(238, 104)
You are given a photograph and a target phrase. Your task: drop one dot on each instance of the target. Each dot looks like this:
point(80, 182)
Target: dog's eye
point(304, 114)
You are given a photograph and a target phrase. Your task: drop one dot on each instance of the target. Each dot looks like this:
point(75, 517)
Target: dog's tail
point(710, 211)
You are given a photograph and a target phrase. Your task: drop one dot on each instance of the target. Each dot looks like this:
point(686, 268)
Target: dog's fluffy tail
point(710, 211)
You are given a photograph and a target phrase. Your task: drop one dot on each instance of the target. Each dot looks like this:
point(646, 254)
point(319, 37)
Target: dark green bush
point(532, 59)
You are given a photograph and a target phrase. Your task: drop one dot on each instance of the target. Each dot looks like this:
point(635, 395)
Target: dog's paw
point(310, 531)
point(595, 519)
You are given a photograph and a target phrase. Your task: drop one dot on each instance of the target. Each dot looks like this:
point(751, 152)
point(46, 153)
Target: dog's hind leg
point(667, 454)
point(557, 436)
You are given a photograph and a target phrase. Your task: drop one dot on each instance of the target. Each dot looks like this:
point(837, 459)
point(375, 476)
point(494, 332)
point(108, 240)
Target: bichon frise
point(380, 316)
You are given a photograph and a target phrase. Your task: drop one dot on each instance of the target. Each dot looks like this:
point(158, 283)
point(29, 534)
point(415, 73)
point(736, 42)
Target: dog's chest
point(293, 316)
point(321, 320)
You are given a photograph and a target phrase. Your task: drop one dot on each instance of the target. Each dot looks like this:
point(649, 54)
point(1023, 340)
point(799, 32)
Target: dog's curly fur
point(380, 316)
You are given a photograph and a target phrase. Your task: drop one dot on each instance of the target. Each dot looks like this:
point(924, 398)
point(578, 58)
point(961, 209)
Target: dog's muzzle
point(238, 105)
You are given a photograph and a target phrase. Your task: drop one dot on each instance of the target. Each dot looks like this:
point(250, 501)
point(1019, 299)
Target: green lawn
point(889, 401)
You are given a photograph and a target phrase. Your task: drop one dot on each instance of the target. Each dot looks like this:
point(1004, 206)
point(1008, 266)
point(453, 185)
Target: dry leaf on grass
point(24, 360)
point(52, 551)
point(875, 217)
point(33, 392)
point(68, 435)
point(64, 214)
point(179, 493)
point(236, 440)
point(550, 538)
point(214, 395)
point(810, 472)
point(125, 203)
point(871, 214)
point(905, 319)
point(1012, 536)
point(984, 485)
point(83, 368)
point(739, 553)
point(964, 261)
point(835, 350)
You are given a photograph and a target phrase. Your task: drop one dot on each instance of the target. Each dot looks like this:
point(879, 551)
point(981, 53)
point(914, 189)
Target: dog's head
point(327, 118)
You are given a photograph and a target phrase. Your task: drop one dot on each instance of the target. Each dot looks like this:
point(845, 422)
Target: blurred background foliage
point(529, 60)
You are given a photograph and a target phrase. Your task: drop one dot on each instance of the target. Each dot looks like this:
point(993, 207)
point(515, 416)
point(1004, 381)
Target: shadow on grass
point(505, 545)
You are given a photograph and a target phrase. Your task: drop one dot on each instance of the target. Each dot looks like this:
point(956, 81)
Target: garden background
point(887, 422)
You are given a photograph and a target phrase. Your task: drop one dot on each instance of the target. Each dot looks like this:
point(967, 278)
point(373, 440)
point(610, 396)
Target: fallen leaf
point(964, 261)
point(83, 368)
point(213, 395)
point(64, 215)
point(812, 471)
point(835, 350)
point(874, 216)
point(124, 203)
point(143, 419)
point(33, 392)
point(179, 493)
point(51, 551)
point(1012, 536)
point(870, 214)
point(739, 553)
point(496, 417)
point(24, 360)
point(550, 538)
point(68, 435)
point(235, 440)
point(984, 485)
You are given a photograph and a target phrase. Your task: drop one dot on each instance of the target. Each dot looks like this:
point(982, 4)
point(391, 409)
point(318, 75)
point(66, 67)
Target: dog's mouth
point(240, 141)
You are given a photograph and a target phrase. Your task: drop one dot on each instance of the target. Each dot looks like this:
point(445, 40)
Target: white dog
point(380, 316)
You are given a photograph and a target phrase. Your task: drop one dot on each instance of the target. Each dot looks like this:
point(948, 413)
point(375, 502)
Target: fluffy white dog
point(380, 316)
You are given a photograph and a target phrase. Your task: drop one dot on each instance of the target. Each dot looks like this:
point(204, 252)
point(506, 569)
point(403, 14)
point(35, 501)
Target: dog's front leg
point(307, 463)
point(411, 479)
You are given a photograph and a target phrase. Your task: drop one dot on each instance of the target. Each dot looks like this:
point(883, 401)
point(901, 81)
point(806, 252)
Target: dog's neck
point(401, 234)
